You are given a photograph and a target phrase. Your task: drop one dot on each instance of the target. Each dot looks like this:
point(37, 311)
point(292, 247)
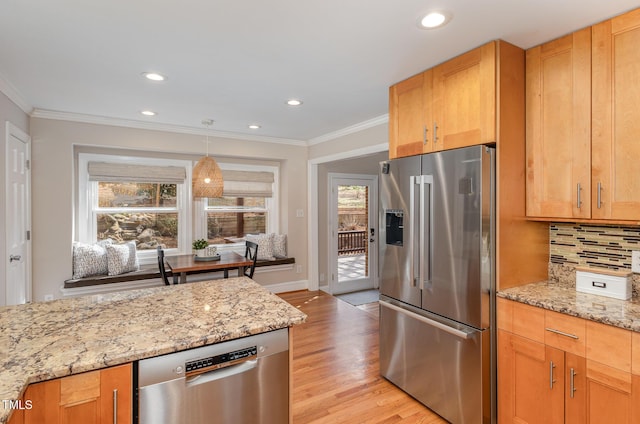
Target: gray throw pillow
point(265, 245)
point(122, 258)
point(90, 259)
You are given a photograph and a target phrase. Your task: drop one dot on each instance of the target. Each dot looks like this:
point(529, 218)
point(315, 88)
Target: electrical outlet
point(48, 297)
point(299, 269)
point(635, 261)
point(299, 213)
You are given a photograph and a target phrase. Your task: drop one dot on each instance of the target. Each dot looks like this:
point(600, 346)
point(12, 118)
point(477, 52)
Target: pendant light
point(206, 180)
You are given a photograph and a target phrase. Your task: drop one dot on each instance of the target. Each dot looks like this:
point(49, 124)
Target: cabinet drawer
point(608, 376)
point(565, 332)
point(635, 353)
point(504, 314)
point(528, 321)
point(609, 345)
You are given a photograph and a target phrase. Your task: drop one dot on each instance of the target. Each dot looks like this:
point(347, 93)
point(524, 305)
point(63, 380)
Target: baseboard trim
point(288, 286)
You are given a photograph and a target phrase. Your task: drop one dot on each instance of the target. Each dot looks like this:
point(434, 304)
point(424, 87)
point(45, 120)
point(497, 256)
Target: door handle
point(14, 258)
point(440, 326)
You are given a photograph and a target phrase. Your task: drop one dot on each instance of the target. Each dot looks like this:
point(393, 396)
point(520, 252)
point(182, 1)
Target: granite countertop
point(45, 340)
point(565, 299)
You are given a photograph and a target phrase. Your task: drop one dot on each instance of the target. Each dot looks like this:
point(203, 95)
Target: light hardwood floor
point(336, 375)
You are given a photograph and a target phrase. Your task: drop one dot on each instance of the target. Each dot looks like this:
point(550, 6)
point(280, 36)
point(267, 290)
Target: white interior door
point(18, 216)
point(354, 228)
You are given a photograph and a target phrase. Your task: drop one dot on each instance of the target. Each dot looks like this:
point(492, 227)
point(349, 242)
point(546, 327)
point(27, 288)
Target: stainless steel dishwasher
point(240, 381)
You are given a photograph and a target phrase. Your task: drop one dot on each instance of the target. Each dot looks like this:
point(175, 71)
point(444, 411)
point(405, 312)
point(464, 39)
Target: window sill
point(149, 272)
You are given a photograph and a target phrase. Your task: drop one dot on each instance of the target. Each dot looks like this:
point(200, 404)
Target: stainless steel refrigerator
point(437, 280)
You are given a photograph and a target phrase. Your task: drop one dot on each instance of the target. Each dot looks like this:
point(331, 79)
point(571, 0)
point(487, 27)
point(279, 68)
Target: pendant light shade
point(206, 180)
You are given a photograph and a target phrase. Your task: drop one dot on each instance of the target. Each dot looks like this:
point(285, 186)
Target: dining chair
point(163, 271)
point(251, 252)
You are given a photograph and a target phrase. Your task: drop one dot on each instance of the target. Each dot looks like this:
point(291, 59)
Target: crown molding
point(103, 120)
point(382, 119)
point(14, 95)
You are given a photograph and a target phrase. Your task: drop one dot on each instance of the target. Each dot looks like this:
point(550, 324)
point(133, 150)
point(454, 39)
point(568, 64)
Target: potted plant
point(199, 247)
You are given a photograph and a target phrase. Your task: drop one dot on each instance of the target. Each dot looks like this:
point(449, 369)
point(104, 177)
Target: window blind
point(124, 172)
point(247, 183)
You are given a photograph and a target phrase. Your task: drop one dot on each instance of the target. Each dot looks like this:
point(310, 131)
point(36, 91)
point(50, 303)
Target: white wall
point(9, 112)
point(53, 181)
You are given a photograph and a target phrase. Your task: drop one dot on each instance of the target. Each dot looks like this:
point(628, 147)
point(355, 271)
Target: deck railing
point(351, 242)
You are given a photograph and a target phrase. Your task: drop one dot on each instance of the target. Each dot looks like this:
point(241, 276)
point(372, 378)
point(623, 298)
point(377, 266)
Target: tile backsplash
point(600, 246)
point(593, 246)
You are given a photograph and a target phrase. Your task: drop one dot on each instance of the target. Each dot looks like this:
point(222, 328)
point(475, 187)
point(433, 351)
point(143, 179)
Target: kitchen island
point(46, 340)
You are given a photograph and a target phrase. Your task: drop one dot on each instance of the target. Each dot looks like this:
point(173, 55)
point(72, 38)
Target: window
point(248, 205)
point(134, 199)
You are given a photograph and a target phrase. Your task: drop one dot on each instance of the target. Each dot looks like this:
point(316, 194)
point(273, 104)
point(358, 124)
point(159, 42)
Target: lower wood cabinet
point(563, 369)
point(91, 397)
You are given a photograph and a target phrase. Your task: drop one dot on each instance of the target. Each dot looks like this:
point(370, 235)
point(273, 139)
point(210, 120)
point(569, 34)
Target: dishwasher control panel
point(198, 366)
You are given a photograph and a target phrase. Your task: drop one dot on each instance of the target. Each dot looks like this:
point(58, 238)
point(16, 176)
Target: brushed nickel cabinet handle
point(115, 406)
point(425, 140)
point(435, 132)
point(599, 195)
point(551, 380)
point(572, 388)
point(562, 333)
point(578, 198)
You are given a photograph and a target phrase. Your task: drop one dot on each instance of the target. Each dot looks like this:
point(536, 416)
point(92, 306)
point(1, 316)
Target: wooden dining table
point(180, 265)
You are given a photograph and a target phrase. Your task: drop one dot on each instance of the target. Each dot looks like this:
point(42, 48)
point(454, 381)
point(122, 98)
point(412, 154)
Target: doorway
point(353, 210)
point(17, 288)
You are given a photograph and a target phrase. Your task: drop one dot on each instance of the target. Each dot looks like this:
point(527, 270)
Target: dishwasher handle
point(218, 374)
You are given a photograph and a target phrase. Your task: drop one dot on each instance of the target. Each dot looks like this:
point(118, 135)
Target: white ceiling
point(237, 61)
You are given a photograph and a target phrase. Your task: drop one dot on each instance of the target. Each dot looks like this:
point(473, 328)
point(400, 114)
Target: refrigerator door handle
point(454, 331)
point(413, 249)
point(426, 182)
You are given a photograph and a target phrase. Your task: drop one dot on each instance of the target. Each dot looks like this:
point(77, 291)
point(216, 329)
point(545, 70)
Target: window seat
point(147, 272)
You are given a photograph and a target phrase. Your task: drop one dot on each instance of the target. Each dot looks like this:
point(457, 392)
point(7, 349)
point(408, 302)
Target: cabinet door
point(79, 398)
point(531, 381)
point(116, 394)
point(409, 102)
point(558, 128)
point(464, 99)
point(609, 395)
point(575, 389)
point(616, 118)
point(44, 398)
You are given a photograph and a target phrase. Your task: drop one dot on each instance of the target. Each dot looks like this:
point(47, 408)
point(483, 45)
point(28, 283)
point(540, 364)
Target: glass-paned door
point(353, 226)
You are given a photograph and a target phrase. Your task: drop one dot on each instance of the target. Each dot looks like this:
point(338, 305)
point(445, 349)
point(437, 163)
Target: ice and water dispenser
point(394, 226)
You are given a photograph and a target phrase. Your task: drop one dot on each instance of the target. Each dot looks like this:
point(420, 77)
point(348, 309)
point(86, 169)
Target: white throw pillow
point(280, 245)
point(122, 258)
point(90, 259)
point(265, 245)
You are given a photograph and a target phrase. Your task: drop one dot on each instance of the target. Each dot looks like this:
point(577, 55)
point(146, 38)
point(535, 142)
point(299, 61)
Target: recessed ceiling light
point(148, 113)
point(154, 76)
point(434, 20)
point(294, 102)
point(254, 126)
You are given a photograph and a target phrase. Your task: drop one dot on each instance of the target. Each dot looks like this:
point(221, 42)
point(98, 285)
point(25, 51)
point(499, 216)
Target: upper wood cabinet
point(558, 93)
point(464, 99)
point(410, 105)
point(454, 104)
point(616, 118)
point(583, 117)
